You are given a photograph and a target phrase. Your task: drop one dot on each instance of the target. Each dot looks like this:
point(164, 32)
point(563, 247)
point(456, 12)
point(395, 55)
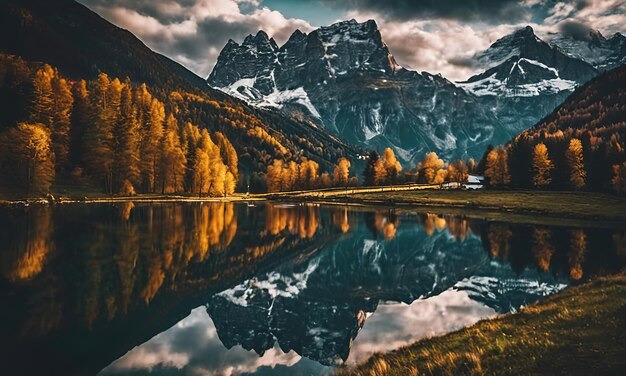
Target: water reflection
point(300, 286)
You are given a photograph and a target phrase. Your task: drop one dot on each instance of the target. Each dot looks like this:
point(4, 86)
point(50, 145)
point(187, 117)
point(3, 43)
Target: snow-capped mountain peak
point(593, 48)
point(521, 65)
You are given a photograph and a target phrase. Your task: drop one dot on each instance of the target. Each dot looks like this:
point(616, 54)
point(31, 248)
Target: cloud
point(437, 36)
point(575, 29)
point(445, 44)
point(193, 32)
point(468, 10)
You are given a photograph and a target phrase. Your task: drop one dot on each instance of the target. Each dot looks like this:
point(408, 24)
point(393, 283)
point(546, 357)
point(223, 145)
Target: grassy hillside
point(581, 331)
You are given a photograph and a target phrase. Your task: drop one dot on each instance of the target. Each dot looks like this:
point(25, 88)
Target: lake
point(298, 289)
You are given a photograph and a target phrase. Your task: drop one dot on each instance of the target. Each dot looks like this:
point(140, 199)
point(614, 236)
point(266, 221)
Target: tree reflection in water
point(119, 274)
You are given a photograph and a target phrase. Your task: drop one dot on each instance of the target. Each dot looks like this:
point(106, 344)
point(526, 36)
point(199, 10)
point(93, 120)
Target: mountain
point(595, 116)
point(344, 78)
point(81, 44)
point(522, 65)
point(593, 48)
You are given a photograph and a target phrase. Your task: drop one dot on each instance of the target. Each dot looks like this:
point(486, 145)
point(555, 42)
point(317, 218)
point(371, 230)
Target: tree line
point(114, 134)
point(385, 169)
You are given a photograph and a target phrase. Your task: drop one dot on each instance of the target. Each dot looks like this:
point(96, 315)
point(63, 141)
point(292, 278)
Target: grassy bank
point(516, 206)
point(492, 204)
point(581, 331)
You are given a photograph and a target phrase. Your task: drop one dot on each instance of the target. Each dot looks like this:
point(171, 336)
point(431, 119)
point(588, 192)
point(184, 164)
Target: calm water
point(269, 289)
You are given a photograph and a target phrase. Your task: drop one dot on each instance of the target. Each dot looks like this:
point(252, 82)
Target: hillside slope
point(81, 45)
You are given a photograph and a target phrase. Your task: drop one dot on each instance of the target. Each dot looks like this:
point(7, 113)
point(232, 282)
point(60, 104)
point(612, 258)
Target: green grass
point(536, 206)
point(581, 331)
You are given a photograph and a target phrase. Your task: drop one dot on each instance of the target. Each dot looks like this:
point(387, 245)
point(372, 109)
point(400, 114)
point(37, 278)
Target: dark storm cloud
point(575, 29)
point(165, 11)
point(467, 10)
point(463, 61)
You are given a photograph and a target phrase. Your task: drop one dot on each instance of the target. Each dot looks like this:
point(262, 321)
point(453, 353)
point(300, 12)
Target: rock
point(344, 78)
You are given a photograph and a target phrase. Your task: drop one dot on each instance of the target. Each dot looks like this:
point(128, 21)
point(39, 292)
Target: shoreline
point(580, 328)
point(533, 207)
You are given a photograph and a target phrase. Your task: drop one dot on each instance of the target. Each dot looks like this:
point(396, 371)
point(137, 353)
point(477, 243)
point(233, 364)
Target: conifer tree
point(542, 166)
point(151, 141)
point(369, 172)
point(497, 167)
point(173, 160)
point(41, 107)
point(575, 164)
point(81, 115)
point(229, 154)
point(61, 120)
point(99, 134)
point(127, 142)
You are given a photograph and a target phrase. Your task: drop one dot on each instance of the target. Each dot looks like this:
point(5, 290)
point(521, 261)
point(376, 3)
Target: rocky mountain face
point(522, 65)
point(604, 54)
point(344, 79)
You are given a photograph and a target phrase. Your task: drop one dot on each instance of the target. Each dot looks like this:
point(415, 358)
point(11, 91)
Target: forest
point(118, 137)
point(115, 134)
point(580, 146)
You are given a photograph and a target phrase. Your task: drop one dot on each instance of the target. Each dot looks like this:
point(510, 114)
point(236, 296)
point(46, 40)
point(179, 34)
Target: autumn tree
point(229, 154)
point(430, 169)
point(457, 171)
point(202, 167)
point(497, 167)
point(575, 164)
point(308, 176)
point(341, 173)
point(41, 107)
point(62, 101)
point(391, 166)
point(542, 166)
point(127, 139)
point(80, 118)
point(98, 138)
point(275, 176)
point(152, 134)
point(173, 161)
point(31, 157)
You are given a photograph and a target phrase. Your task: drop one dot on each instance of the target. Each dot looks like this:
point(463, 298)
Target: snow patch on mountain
point(275, 284)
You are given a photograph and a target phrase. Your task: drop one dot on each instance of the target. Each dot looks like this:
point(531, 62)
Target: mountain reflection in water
point(291, 288)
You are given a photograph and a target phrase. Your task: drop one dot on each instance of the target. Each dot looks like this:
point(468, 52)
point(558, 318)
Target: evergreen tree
point(369, 173)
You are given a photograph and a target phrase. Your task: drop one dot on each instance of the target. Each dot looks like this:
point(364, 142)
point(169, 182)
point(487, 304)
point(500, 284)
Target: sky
point(437, 36)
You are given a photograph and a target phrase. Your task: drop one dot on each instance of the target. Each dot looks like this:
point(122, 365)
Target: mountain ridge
point(344, 79)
